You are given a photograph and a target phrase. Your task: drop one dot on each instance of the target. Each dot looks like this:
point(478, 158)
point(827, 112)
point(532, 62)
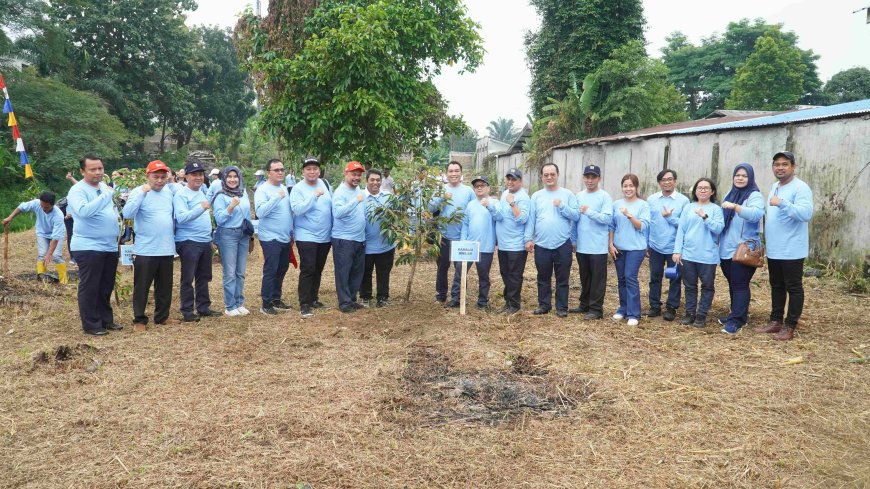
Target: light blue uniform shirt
point(478, 223)
point(241, 212)
point(48, 226)
point(625, 236)
point(553, 224)
point(510, 231)
point(786, 230)
point(697, 239)
point(273, 211)
point(192, 222)
point(376, 243)
point(151, 213)
point(460, 196)
point(348, 214)
point(312, 216)
point(663, 230)
point(213, 188)
point(744, 226)
point(95, 218)
point(592, 230)
point(289, 180)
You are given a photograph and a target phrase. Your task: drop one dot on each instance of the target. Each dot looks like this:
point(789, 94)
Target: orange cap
point(156, 165)
point(354, 166)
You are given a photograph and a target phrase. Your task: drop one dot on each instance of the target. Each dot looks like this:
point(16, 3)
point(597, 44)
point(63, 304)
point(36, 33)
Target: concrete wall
point(833, 157)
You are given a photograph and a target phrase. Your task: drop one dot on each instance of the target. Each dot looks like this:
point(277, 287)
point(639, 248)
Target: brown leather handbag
point(749, 253)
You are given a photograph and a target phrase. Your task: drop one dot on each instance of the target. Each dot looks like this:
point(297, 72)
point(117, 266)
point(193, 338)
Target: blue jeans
point(691, 273)
point(627, 266)
point(657, 262)
point(738, 277)
point(233, 246)
point(348, 258)
point(42, 245)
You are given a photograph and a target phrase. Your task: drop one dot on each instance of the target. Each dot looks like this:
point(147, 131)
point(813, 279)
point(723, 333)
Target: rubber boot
point(40, 268)
point(61, 272)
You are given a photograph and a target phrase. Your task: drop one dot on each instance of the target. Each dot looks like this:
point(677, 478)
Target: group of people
point(173, 217)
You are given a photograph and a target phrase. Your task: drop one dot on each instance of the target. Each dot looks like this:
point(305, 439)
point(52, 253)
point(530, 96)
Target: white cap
point(259, 172)
point(215, 171)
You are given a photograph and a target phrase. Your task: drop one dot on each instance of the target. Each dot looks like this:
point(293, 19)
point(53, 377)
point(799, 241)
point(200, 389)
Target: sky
point(499, 88)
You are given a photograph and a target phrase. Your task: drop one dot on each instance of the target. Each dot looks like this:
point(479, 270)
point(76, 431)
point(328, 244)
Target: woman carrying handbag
point(740, 247)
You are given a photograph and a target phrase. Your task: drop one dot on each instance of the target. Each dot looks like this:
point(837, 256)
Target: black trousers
point(96, 283)
point(786, 281)
point(443, 266)
point(276, 262)
point(593, 281)
point(548, 262)
point(483, 266)
point(383, 263)
point(195, 267)
point(312, 259)
point(148, 270)
point(511, 265)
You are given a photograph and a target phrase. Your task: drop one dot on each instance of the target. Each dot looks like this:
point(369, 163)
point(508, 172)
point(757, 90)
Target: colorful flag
point(16, 134)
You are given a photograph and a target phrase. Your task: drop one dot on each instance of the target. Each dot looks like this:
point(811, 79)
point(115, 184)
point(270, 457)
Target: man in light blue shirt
point(456, 197)
point(311, 203)
point(555, 211)
point(478, 224)
point(348, 237)
point(272, 206)
point(786, 233)
point(590, 237)
point(150, 207)
point(666, 207)
point(94, 245)
point(50, 233)
point(214, 184)
point(510, 231)
point(380, 252)
point(193, 243)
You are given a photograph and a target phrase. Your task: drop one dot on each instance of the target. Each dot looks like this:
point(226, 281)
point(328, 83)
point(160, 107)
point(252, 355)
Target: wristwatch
point(704, 217)
point(514, 203)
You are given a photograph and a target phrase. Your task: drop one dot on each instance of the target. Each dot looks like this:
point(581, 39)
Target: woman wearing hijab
point(742, 210)
point(231, 208)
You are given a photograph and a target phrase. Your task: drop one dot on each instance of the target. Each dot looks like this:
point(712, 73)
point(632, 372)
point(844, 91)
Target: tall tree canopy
point(849, 85)
point(575, 36)
point(771, 79)
point(706, 73)
point(502, 129)
point(357, 79)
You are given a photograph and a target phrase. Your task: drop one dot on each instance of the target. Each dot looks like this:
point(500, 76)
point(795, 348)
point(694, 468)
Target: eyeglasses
point(481, 186)
point(667, 180)
point(703, 189)
point(277, 170)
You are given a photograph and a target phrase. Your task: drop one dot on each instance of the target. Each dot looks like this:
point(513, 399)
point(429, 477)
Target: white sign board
point(127, 255)
point(465, 251)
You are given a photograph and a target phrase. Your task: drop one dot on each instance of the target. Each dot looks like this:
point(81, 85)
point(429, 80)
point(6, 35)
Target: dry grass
point(331, 401)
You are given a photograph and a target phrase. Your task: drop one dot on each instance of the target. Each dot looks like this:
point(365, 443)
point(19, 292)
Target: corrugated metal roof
point(807, 115)
point(719, 113)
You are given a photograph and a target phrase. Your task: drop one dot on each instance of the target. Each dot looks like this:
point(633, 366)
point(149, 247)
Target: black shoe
point(383, 303)
point(208, 313)
point(357, 305)
point(561, 313)
point(482, 307)
point(540, 311)
point(305, 311)
point(281, 305)
point(511, 310)
point(96, 332)
point(591, 316)
point(346, 309)
point(453, 304)
point(271, 311)
point(687, 320)
point(191, 318)
point(654, 313)
point(578, 310)
point(317, 304)
point(441, 300)
point(700, 321)
point(670, 314)
point(113, 327)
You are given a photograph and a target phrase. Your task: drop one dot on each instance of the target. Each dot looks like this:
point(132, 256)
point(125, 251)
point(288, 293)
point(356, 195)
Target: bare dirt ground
point(414, 395)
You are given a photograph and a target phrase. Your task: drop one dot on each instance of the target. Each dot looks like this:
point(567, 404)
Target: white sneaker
point(618, 317)
point(632, 322)
point(243, 311)
point(232, 312)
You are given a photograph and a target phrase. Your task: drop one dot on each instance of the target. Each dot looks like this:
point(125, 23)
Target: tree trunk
point(163, 136)
point(418, 250)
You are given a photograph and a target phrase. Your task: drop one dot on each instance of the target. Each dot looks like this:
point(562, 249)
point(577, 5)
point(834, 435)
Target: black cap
point(785, 154)
point(193, 167)
point(514, 172)
point(480, 178)
point(592, 170)
point(310, 161)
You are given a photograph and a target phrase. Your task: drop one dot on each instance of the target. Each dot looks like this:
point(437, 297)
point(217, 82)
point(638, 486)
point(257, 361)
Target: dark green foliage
point(848, 86)
point(771, 79)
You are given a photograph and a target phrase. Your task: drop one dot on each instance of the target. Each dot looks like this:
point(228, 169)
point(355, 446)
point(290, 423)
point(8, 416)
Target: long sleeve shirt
point(95, 218)
point(312, 216)
point(553, 224)
point(376, 243)
point(697, 239)
point(625, 236)
point(48, 225)
point(192, 221)
point(786, 229)
point(663, 230)
point(273, 211)
point(225, 219)
point(151, 213)
point(478, 223)
point(460, 196)
point(510, 231)
point(348, 213)
point(213, 188)
point(590, 234)
point(744, 226)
